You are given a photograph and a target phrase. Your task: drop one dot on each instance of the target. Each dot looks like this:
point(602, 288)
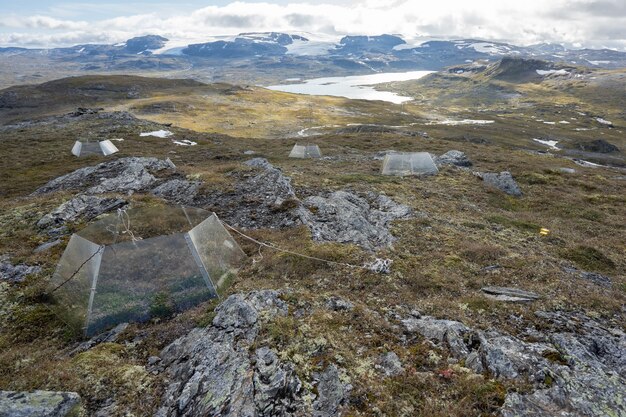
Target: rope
point(379, 266)
point(77, 270)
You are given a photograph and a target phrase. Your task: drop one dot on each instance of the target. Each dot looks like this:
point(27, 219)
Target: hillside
point(297, 336)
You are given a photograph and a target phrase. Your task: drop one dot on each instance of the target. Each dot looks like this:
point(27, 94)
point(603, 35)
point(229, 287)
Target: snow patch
point(184, 142)
point(549, 143)
point(552, 72)
point(158, 134)
point(604, 121)
point(461, 122)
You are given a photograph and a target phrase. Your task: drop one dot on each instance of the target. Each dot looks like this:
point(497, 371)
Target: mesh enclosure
point(137, 274)
point(104, 147)
point(409, 163)
point(305, 151)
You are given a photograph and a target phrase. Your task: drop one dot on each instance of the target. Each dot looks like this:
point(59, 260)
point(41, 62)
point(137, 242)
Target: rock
point(249, 152)
point(39, 404)
point(107, 337)
point(45, 246)
point(567, 170)
point(509, 294)
point(599, 279)
point(503, 181)
point(332, 393)
point(389, 364)
point(339, 304)
point(211, 371)
point(84, 207)
point(598, 145)
point(263, 198)
point(178, 191)
point(579, 368)
point(453, 157)
point(345, 217)
point(276, 385)
point(16, 273)
point(120, 175)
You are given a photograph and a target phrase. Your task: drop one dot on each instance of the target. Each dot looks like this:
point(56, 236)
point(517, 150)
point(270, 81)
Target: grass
point(439, 256)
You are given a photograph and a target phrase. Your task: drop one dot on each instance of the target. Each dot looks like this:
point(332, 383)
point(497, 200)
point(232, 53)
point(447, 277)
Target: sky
point(574, 23)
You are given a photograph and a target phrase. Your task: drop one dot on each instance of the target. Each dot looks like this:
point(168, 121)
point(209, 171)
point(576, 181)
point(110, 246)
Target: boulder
point(39, 404)
point(389, 364)
point(345, 217)
point(598, 145)
point(82, 207)
point(178, 191)
point(453, 157)
point(339, 304)
point(502, 181)
point(509, 294)
point(332, 393)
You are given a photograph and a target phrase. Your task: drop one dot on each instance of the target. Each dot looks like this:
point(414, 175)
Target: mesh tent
point(305, 151)
point(142, 263)
point(104, 147)
point(409, 163)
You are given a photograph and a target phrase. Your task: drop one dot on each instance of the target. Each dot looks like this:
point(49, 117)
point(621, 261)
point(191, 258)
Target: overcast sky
point(575, 23)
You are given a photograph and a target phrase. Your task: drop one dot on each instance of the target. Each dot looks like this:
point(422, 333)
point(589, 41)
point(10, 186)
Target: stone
point(82, 207)
point(596, 278)
point(16, 273)
point(389, 364)
point(211, 370)
point(567, 170)
point(39, 404)
point(503, 181)
point(339, 304)
point(598, 145)
point(453, 157)
point(578, 368)
point(45, 246)
point(178, 191)
point(120, 175)
point(333, 394)
point(345, 217)
point(109, 336)
point(509, 294)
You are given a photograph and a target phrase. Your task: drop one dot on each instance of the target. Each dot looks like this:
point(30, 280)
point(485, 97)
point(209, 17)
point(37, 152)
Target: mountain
point(271, 57)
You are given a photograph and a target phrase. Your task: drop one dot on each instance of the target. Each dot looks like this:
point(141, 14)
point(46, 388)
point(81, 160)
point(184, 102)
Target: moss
point(589, 258)
point(555, 356)
point(518, 224)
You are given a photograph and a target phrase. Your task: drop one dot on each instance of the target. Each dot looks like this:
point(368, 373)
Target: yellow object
point(544, 232)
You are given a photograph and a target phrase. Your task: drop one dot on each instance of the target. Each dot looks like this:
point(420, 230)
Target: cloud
point(590, 23)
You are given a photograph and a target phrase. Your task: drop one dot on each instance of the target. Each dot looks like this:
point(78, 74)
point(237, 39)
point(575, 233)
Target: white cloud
point(590, 23)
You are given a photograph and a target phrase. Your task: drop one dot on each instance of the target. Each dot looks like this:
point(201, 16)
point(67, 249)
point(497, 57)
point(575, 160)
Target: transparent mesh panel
point(107, 147)
point(305, 151)
point(144, 223)
point(76, 148)
point(415, 163)
point(72, 297)
point(219, 252)
point(90, 148)
point(145, 279)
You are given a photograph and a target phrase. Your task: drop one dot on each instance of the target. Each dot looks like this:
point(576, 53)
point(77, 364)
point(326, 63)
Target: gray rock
point(262, 198)
point(503, 181)
point(45, 246)
point(567, 170)
point(178, 191)
point(389, 364)
point(120, 175)
point(210, 371)
point(339, 304)
point(453, 157)
point(81, 207)
point(16, 273)
point(109, 336)
point(39, 404)
point(332, 393)
point(599, 279)
point(345, 217)
point(509, 294)
point(589, 379)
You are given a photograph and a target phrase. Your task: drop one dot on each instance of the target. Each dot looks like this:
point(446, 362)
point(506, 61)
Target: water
point(353, 86)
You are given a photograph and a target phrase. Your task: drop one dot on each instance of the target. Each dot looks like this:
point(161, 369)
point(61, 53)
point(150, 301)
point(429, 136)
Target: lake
point(353, 86)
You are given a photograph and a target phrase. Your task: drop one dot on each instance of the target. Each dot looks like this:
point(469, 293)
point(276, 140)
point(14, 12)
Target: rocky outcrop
point(16, 273)
point(454, 158)
point(347, 218)
point(598, 145)
point(509, 294)
point(178, 191)
point(332, 393)
point(39, 403)
point(261, 198)
point(578, 366)
point(211, 371)
point(596, 278)
point(503, 181)
point(82, 207)
point(124, 175)
point(389, 364)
